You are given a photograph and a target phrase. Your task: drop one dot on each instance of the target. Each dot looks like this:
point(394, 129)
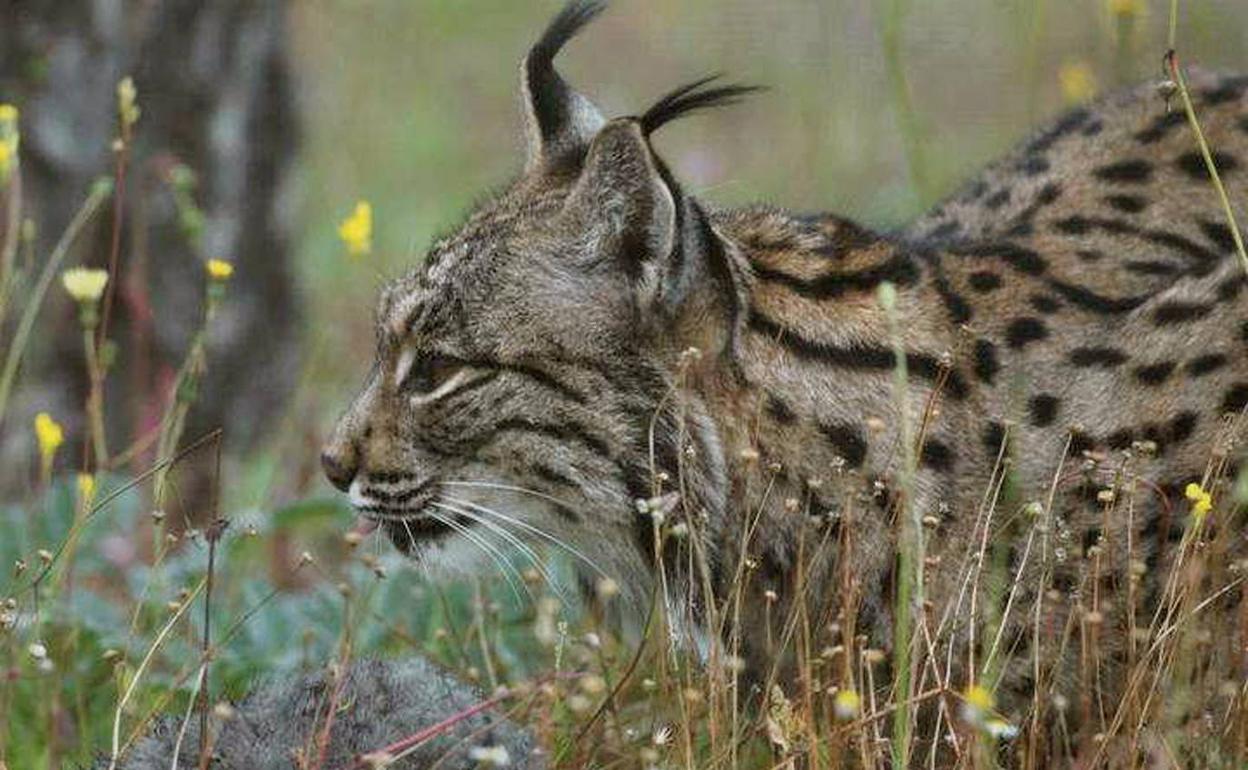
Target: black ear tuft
point(690, 98)
point(563, 28)
point(559, 121)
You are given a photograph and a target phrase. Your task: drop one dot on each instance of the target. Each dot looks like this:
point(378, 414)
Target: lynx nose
point(340, 466)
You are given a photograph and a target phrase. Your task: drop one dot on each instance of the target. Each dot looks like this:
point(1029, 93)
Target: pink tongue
point(364, 525)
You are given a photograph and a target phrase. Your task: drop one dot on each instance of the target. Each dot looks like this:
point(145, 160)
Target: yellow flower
point(1125, 8)
point(1077, 82)
point(86, 490)
point(978, 697)
point(219, 269)
point(49, 436)
point(1202, 501)
point(9, 139)
point(84, 284)
point(356, 231)
point(846, 704)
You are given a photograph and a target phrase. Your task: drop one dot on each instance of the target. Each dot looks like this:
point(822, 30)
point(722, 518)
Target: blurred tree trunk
point(215, 91)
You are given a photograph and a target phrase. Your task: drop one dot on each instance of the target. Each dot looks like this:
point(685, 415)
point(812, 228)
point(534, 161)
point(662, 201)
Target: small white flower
point(490, 756)
point(37, 650)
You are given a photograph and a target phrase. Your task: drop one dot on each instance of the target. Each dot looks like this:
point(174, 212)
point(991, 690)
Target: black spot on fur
point(1228, 90)
point(1065, 125)
point(1161, 126)
point(1022, 331)
point(1045, 304)
point(1034, 165)
point(937, 456)
point(1073, 225)
point(958, 308)
point(779, 410)
point(1202, 365)
point(1043, 409)
point(1125, 172)
point(1220, 235)
point(1080, 442)
point(1236, 397)
point(994, 435)
point(1183, 426)
point(1193, 164)
point(1130, 204)
point(984, 281)
point(1049, 193)
point(1176, 312)
point(986, 365)
point(945, 229)
point(1231, 287)
point(1154, 374)
point(1120, 439)
point(847, 441)
point(1106, 358)
point(998, 199)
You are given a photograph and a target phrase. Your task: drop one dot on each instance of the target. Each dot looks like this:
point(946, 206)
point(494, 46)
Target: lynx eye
point(427, 373)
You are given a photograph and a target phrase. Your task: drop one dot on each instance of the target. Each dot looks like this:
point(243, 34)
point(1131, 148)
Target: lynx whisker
point(548, 537)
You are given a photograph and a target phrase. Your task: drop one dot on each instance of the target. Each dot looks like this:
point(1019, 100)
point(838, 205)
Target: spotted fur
point(1079, 299)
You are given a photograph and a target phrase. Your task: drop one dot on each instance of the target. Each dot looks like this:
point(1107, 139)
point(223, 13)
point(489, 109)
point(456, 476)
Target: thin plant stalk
point(910, 548)
point(99, 192)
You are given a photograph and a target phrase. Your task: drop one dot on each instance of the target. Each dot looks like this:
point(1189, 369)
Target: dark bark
point(215, 91)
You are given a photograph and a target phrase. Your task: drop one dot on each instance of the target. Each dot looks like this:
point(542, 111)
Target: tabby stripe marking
point(857, 357)
point(900, 270)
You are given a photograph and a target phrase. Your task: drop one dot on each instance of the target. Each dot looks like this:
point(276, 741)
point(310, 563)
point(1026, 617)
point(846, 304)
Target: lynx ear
point(559, 122)
point(624, 197)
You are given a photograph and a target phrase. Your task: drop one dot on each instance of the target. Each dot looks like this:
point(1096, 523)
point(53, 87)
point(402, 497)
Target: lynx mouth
point(410, 527)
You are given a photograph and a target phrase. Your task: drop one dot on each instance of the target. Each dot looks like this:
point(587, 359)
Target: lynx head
point(525, 373)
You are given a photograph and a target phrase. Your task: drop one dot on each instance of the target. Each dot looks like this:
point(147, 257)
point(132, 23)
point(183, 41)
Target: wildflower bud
point(749, 455)
point(873, 657)
point(37, 650)
point(127, 103)
point(846, 704)
point(352, 538)
point(158, 516)
point(649, 685)
point(931, 522)
point(792, 504)
point(49, 435)
point(45, 556)
point(490, 756)
point(224, 711)
point(110, 654)
point(607, 589)
point(345, 589)
point(1105, 496)
point(592, 640)
point(771, 596)
point(19, 566)
point(305, 558)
